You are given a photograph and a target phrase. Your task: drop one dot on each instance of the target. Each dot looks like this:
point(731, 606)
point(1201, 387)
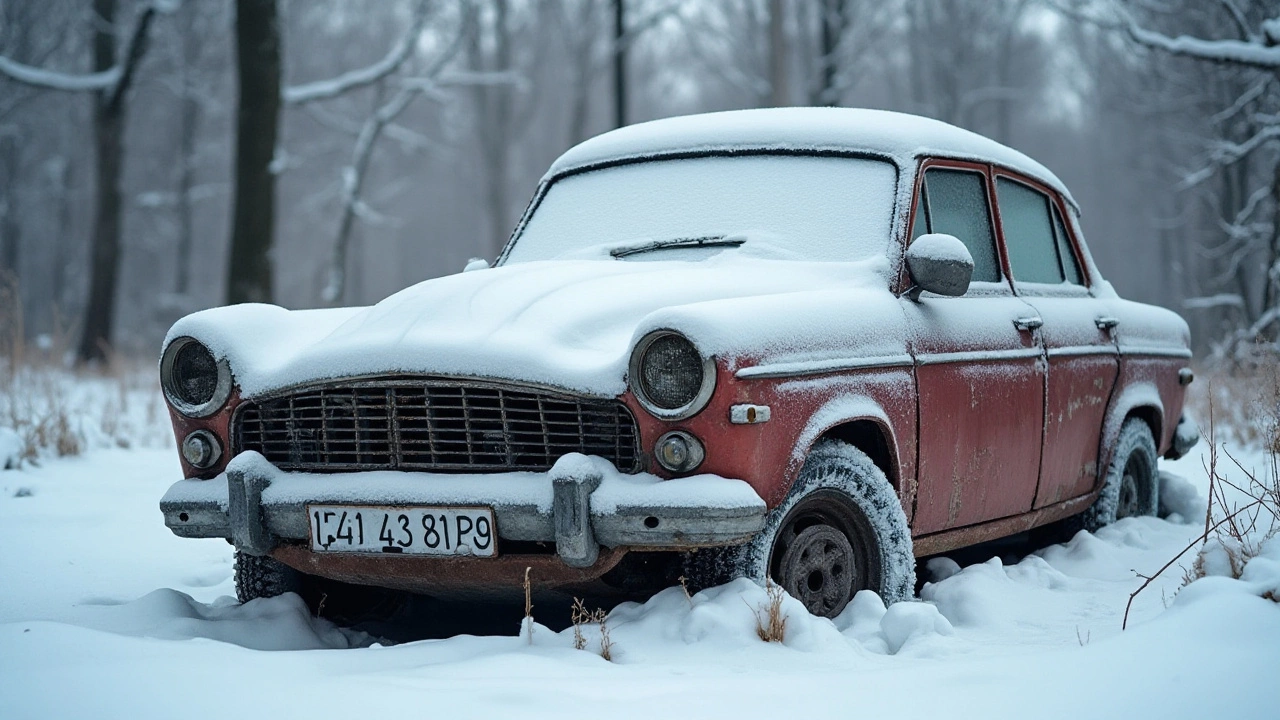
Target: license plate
point(465, 531)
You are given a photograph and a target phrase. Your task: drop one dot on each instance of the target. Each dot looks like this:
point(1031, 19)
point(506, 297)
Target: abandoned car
point(801, 344)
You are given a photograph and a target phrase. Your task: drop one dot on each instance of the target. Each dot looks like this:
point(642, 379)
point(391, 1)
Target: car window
point(1069, 265)
point(955, 203)
point(1028, 233)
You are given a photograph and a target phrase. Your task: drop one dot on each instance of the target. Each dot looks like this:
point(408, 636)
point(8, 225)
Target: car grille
point(432, 424)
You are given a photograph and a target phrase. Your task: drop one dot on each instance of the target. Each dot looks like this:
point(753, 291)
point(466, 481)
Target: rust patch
point(972, 535)
point(447, 576)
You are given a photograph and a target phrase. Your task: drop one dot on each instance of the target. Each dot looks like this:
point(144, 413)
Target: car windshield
point(803, 207)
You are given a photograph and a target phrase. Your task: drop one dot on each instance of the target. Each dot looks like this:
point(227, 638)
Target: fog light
point(201, 450)
point(679, 452)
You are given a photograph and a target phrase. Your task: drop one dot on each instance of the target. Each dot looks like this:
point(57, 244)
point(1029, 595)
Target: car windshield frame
point(545, 186)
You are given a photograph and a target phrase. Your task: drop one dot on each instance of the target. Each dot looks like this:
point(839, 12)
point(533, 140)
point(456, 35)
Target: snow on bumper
point(581, 504)
point(1185, 437)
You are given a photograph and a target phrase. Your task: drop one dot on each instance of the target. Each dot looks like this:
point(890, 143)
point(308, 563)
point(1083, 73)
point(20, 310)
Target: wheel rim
point(818, 568)
point(1129, 503)
point(825, 553)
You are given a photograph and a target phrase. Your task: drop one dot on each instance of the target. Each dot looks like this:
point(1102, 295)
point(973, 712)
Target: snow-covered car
point(801, 344)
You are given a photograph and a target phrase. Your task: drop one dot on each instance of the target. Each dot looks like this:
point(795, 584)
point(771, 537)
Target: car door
point(1083, 361)
point(979, 369)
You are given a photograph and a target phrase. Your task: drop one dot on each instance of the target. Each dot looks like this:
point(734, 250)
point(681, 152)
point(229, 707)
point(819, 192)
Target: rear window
point(1028, 233)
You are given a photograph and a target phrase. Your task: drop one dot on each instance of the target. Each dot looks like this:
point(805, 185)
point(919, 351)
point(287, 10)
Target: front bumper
point(1185, 437)
point(582, 505)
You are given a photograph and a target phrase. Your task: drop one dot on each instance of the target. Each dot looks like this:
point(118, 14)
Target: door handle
point(1028, 323)
point(1106, 323)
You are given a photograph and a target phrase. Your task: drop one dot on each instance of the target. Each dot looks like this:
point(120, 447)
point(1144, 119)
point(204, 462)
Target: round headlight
point(670, 377)
point(194, 382)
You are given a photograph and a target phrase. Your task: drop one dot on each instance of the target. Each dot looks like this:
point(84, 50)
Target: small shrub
point(772, 627)
point(582, 618)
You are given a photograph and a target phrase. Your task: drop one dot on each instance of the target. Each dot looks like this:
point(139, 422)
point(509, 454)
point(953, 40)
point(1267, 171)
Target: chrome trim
point(221, 391)
point(1154, 351)
point(979, 356)
point(1078, 350)
point(817, 367)
point(694, 406)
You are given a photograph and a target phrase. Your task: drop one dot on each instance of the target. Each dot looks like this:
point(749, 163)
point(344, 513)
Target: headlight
point(670, 377)
point(193, 381)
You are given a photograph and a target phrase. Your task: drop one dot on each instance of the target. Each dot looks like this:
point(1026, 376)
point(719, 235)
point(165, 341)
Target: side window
point(1069, 265)
point(920, 223)
point(955, 203)
point(1029, 235)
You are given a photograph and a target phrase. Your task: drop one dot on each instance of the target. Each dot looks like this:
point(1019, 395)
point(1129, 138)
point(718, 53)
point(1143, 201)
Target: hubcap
point(1129, 504)
point(818, 568)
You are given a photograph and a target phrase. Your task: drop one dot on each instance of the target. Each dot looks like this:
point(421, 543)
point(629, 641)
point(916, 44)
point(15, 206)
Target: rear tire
point(1131, 487)
point(840, 530)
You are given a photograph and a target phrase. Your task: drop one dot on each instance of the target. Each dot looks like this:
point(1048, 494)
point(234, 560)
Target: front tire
point(840, 530)
point(1131, 487)
point(264, 577)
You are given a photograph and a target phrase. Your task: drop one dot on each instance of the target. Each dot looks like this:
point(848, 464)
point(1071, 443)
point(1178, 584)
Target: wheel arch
point(1139, 400)
point(858, 421)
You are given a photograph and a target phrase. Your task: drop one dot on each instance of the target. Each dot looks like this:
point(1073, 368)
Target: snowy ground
point(103, 613)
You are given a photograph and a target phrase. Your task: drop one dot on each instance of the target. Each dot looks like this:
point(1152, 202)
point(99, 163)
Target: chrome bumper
point(581, 506)
point(1185, 437)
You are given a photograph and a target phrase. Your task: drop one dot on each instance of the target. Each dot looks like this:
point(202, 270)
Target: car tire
point(841, 529)
point(1131, 487)
point(264, 577)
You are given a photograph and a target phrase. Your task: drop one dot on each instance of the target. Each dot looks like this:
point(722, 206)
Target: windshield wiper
point(684, 242)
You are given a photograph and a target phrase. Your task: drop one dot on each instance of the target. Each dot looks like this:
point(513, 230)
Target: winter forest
point(161, 157)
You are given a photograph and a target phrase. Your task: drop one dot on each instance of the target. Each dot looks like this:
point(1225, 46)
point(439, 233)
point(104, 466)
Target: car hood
point(568, 324)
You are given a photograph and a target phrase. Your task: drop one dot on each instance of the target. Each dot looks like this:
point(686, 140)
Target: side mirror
point(940, 264)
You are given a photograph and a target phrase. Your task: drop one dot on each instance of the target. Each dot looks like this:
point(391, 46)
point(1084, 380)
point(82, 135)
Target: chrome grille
point(432, 424)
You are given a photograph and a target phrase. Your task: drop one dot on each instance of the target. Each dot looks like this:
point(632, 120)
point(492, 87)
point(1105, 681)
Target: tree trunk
point(249, 273)
point(832, 29)
point(778, 92)
point(619, 63)
point(188, 118)
point(104, 253)
point(10, 230)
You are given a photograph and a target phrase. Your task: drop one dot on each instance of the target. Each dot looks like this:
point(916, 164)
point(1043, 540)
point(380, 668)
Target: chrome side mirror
point(940, 264)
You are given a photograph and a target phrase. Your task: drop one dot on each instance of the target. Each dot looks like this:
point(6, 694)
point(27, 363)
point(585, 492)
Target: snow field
point(104, 613)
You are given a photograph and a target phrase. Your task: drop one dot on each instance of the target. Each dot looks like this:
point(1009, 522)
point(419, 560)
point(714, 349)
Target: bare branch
point(333, 87)
point(114, 82)
point(50, 80)
point(1231, 52)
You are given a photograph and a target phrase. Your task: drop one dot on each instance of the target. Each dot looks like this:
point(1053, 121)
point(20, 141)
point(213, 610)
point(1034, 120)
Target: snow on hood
point(569, 324)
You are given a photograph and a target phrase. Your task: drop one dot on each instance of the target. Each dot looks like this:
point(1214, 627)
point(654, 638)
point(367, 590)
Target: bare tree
point(1243, 157)
point(110, 82)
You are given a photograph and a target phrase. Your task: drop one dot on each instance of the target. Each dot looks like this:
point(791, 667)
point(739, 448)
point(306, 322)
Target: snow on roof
point(901, 136)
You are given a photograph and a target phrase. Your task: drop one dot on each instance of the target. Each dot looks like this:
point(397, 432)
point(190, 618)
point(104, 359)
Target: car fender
point(1133, 397)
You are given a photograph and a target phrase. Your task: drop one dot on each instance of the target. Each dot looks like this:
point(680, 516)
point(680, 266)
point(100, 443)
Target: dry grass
point(1243, 408)
point(58, 410)
point(771, 623)
point(583, 618)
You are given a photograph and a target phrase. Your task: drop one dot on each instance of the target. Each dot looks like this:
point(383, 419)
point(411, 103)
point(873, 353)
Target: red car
point(805, 344)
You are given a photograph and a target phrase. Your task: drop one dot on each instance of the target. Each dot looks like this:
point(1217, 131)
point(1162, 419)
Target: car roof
point(903, 137)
